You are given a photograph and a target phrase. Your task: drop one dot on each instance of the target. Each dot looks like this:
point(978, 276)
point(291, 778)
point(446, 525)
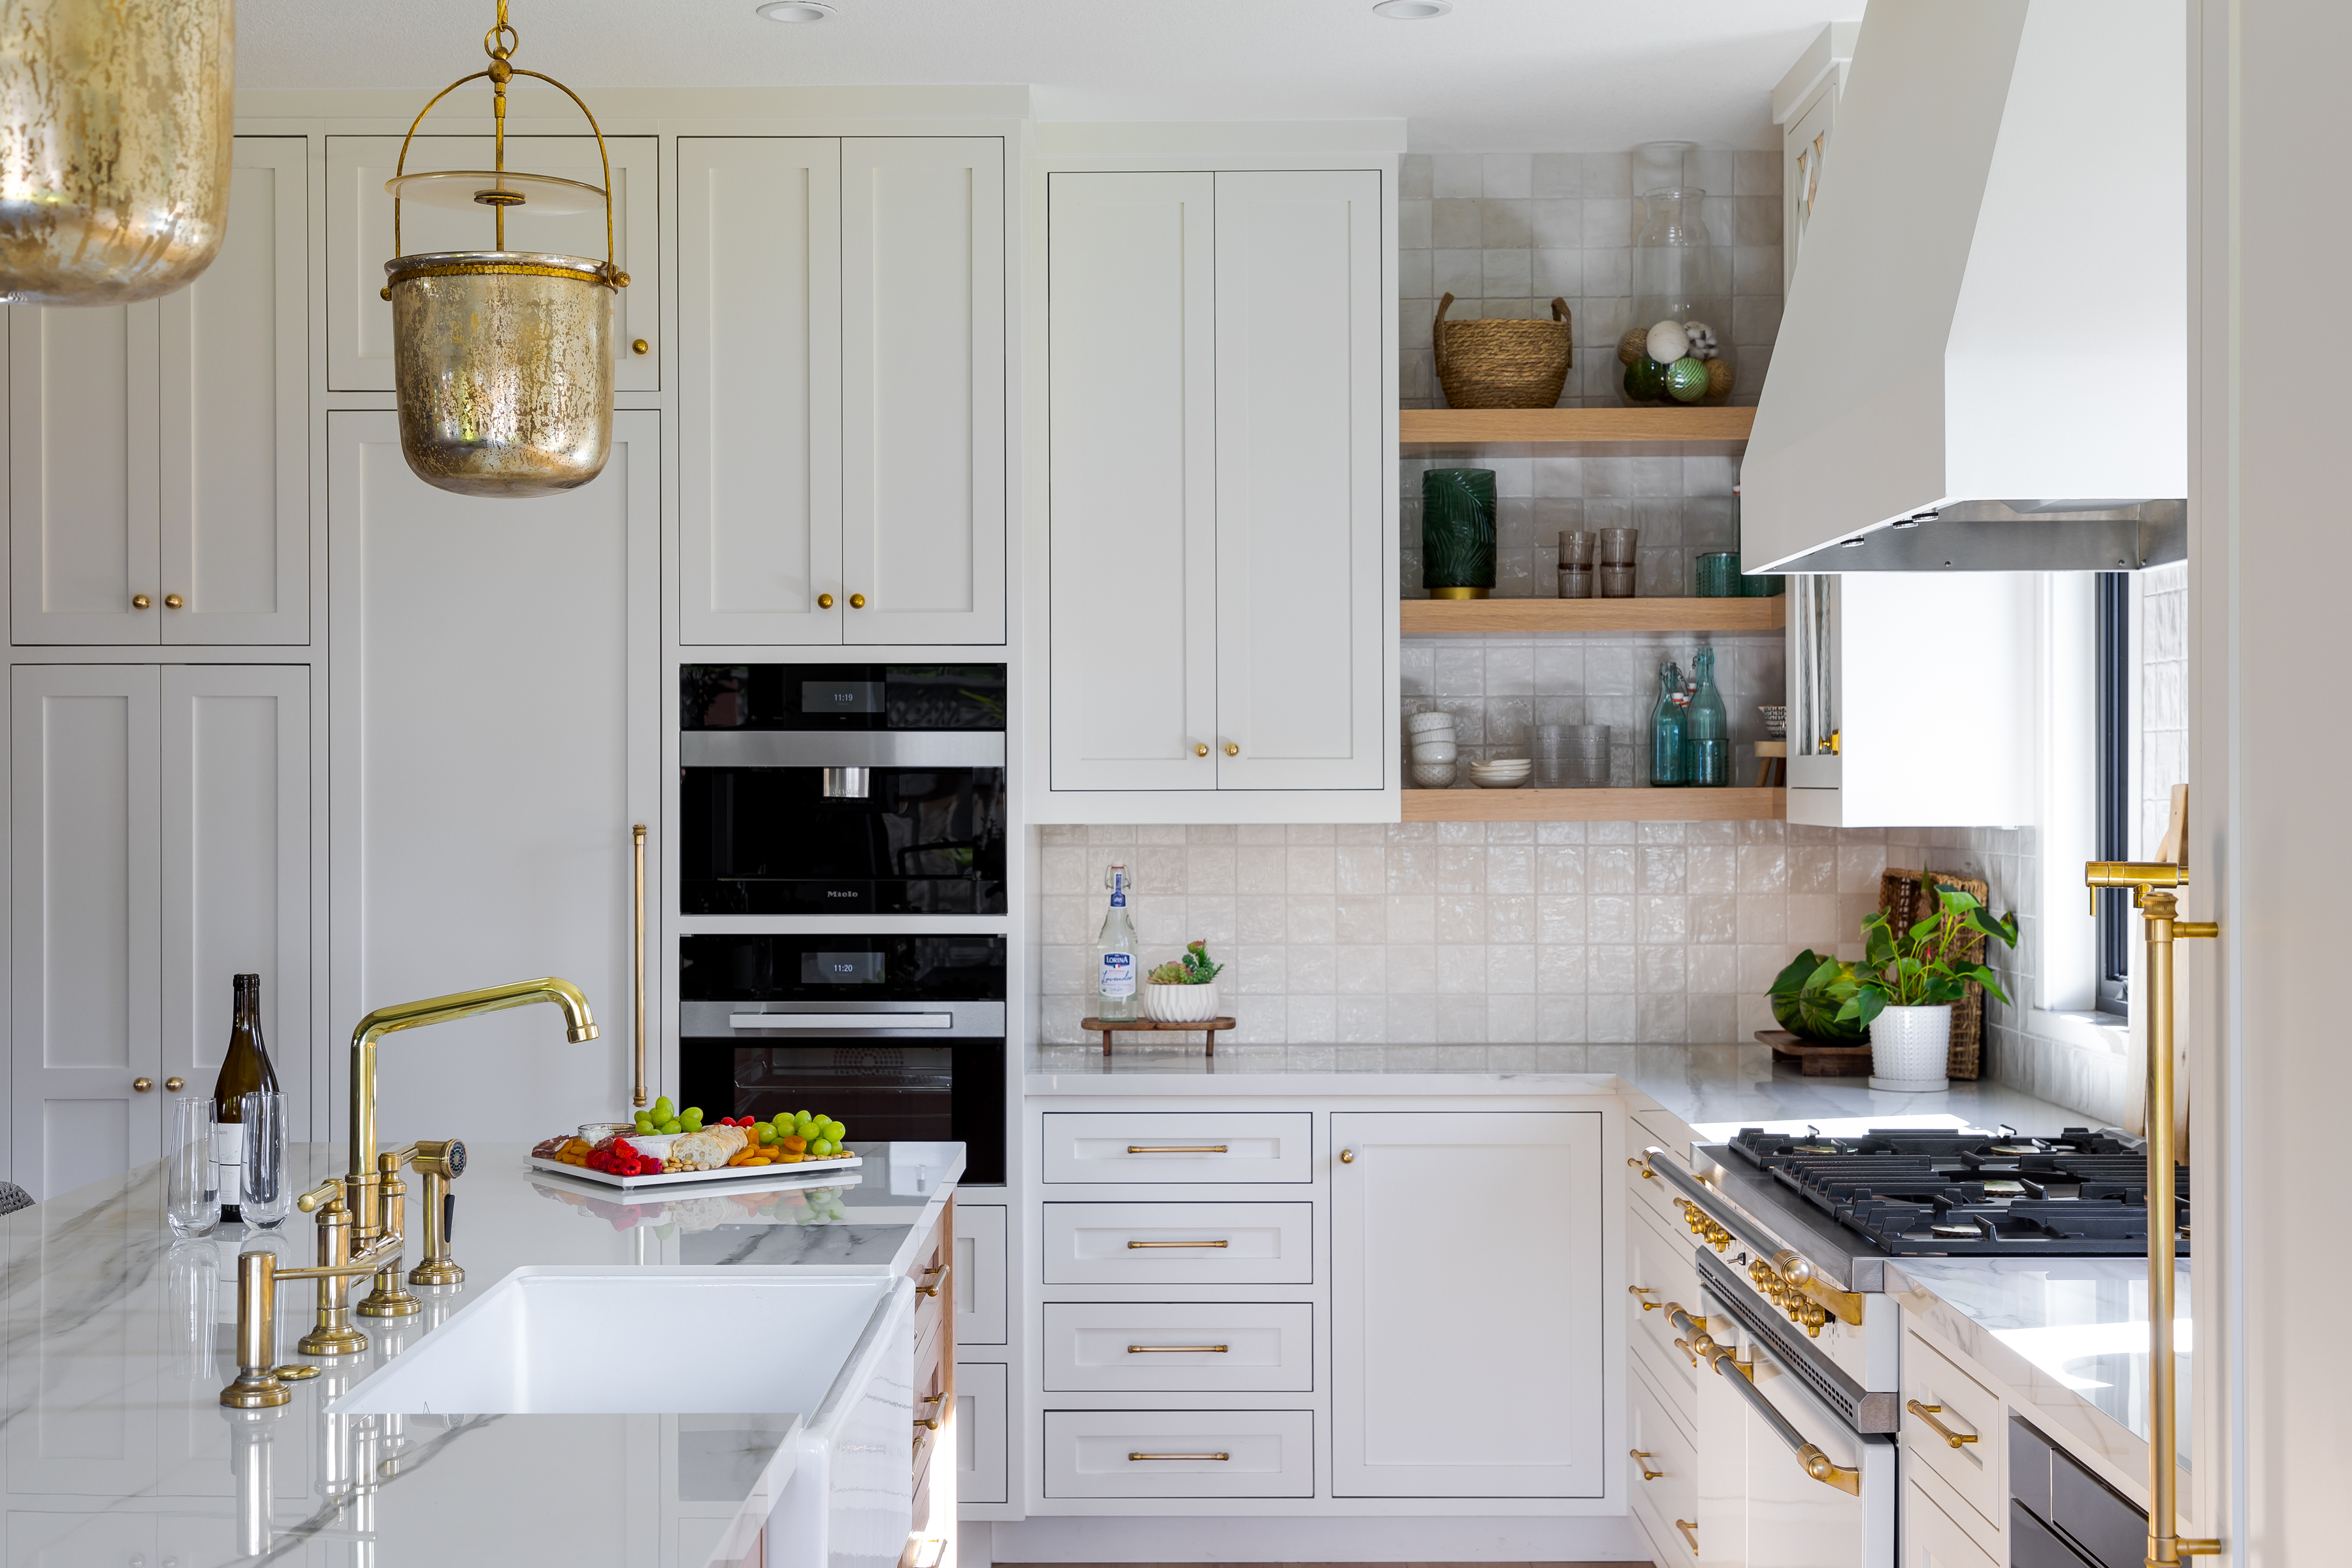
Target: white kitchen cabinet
point(1867, 748)
point(160, 451)
point(1933, 1539)
point(498, 702)
point(984, 1445)
point(1466, 1246)
point(360, 238)
point(983, 1290)
point(160, 844)
point(1219, 597)
point(1804, 106)
point(841, 401)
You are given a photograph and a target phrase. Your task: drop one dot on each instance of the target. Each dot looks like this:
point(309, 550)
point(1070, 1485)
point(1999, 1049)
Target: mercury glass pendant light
point(115, 123)
point(503, 359)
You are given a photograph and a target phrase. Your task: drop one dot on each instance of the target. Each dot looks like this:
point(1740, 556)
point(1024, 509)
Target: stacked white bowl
point(1502, 773)
point(1433, 749)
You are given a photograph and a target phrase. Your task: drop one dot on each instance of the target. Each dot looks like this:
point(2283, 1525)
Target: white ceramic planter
point(1180, 1004)
point(1910, 1049)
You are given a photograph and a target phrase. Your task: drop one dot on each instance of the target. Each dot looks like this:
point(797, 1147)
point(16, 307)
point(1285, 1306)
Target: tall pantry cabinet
point(1221, 564)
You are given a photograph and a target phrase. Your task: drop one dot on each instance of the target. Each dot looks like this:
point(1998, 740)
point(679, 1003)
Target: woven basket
point(1904, 902)
point(1503, 364)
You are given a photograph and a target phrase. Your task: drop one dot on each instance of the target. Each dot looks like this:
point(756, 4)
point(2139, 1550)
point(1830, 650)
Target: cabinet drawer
point(1662, 1467)
point(1975, 1470)
point(980, 1273)
point(982, 1414)
point(1122, 1347)
point(1662, 1267)
point(1180, 1453)
point(1179, 1146)
point(1933, 1539)
point(1178, 1244)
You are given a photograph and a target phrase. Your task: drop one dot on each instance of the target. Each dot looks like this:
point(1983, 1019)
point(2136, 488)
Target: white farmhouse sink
point(836, 1349)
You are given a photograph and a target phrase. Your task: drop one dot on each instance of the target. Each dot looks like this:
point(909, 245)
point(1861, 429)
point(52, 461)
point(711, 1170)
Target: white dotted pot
point(1910, 1049)
point(1181, 1004)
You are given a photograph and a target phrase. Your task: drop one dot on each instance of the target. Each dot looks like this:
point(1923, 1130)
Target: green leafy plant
point(1923, 966)
point(1193, 969)
point(1802, 1003)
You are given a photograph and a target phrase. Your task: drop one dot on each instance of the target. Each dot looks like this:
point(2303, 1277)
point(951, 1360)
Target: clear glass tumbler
point(268, 1197)
point(191, 1180)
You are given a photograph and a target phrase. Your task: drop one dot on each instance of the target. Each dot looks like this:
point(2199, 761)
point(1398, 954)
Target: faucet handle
point(329, 1191)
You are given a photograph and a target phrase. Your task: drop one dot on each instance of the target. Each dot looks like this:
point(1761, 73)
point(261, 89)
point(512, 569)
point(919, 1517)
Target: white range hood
point(1990, 321)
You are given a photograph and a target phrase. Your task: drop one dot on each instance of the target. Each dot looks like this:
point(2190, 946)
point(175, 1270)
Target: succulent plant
point(1194, 969)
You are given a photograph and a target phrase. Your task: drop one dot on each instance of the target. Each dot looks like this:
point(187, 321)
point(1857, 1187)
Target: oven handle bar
point(841, 749)
point(1818, 1465)
point(838, 1023)
point(1793, 1266)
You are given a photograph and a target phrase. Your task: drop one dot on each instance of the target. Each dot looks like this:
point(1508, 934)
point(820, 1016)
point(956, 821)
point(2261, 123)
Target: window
point(2115, 673)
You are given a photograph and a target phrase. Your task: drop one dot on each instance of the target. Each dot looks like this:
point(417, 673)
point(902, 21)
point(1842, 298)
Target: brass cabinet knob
point(140, 601)
point(857, 601)
point(641, 347)
point(172, 601)
point(141, 1085)
point(1201, 749)
point(1232, 750)
point(1347, 1156)
point(825, 600)
point(174, 1085)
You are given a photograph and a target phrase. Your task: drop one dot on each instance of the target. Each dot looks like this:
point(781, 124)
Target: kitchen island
point(119, 1340)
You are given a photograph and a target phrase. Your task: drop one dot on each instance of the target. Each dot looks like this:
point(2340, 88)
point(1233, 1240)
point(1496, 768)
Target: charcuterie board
point(683, 1178)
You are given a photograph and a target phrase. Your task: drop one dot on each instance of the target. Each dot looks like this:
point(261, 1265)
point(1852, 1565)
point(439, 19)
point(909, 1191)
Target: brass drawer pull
point(1220, 1457)
point(1640, 1456)
point(1644, 1291)
point(1928, 1413)
point(1689, 1527)
point(1176, 1149)
point(928, 1423)
point(1137, 1245)
point(932, 1290)
point(1175, 1350)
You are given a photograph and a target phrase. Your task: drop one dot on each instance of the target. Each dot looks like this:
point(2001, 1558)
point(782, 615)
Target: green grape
point(834, 1130)
point(766, 1133)
point(662, 1109)
point(824, 1148)
point(693, 1110)
point(673, 1126)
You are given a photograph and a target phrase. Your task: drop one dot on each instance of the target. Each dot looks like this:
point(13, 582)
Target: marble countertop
point(2070, 1335)
point(118, 1340)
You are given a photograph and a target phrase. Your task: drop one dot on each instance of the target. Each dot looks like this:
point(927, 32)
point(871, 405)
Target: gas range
point(1913, 1192)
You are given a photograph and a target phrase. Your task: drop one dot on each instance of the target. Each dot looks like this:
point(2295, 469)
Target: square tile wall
point(1505, 233)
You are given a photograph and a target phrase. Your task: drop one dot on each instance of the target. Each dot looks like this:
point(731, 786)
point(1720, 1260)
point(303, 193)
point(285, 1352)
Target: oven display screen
point(841, 697)
point(841, 969)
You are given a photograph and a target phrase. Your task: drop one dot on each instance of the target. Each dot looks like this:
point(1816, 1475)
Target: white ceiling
point(1559, 75)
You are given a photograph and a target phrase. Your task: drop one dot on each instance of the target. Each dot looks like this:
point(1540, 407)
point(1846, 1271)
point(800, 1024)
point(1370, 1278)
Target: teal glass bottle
point(1666, 750)
point(1706, 729)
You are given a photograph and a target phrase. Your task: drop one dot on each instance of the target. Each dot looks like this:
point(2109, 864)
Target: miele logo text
point(839, 893)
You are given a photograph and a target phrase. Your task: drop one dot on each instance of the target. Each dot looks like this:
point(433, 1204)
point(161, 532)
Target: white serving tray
point(684, 1178)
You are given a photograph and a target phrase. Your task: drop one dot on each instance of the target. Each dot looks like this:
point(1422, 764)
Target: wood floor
point(1633, 1564)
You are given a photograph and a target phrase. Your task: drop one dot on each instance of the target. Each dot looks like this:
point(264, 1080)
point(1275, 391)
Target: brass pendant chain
point(501, 43)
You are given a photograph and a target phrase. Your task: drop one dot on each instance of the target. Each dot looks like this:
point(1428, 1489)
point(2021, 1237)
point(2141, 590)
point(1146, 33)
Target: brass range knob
point(1232, 750)
point(172, 601)
point(141, 1085)
point(1201, 749)
point(825, 600)
point(857, 601)
point(174, 1085)
point(141, 602)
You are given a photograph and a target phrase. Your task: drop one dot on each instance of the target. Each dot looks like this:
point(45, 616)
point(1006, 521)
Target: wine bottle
point(244, 1068)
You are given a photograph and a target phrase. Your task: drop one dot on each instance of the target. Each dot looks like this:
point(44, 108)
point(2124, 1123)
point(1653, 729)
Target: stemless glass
point(191, 1180)
point(1718, 575)
point(266, 1197)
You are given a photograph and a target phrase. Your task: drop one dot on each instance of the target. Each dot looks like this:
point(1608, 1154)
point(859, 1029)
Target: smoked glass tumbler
point(191, 1180)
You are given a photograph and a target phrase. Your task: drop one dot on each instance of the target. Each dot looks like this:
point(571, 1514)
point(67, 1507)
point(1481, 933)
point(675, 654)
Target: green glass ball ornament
point(1686, 379)
point(1645, 379)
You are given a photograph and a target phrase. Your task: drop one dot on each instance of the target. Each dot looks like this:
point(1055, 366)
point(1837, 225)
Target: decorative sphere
point(1686, 380)
point(1667, 342)
point(1645, 380)
point(1719, 378)
point(1633, 345)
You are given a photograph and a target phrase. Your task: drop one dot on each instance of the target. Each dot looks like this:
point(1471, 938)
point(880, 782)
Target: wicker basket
point(1503, 364)
point(1904, 902)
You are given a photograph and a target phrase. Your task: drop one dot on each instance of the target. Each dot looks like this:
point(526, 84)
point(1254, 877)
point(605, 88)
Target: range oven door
point(1758, 1507)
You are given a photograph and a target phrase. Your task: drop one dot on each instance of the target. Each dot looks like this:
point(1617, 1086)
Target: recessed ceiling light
point(795, 11)
point(1412, 10)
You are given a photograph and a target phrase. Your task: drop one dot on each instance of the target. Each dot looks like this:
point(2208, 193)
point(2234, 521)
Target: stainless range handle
point(1704, 1207)
point(841, 1022)
point(1816, 1464)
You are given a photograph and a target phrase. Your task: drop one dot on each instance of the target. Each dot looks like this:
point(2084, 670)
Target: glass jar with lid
point(1677, 350)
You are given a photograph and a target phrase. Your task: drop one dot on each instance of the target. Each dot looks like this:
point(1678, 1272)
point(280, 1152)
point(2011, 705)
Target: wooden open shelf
point(1421, 617)
point(1594, 805)
point(1686, 430)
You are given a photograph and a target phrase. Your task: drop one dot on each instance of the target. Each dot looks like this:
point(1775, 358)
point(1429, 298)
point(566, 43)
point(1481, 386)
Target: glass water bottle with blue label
point(1115, 1002)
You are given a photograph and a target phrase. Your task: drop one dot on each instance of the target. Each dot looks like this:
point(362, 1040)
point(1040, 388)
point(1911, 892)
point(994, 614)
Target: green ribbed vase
point(1457, 532)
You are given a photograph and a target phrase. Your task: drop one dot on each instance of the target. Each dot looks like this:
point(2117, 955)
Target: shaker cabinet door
point(1132, 418)
point(759, 390)
point(1301, 574)
point(922, 388)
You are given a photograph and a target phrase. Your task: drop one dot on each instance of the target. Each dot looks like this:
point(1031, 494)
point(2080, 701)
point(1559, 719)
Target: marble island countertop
point(119, 1338)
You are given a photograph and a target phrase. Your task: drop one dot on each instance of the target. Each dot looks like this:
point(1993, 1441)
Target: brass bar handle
point(637, 845)
point(1641, 1457)
point(1177, 1149)
point(1644, 1166)
point(1219, 1457)
point(1928, 1413)
point(1644, 1291)
point(928, 1423)
point(1689, 1527)
point(1176, 1349)
point(326, 1192)
point(1829, 1472)
point(932, 1290)
point(1810, 1457)
point(1138, 1245)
